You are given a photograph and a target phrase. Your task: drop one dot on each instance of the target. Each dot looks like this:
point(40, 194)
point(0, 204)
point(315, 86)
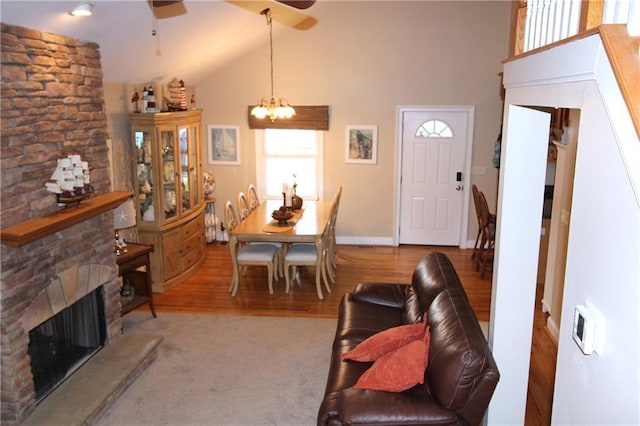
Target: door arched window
point(434, 129)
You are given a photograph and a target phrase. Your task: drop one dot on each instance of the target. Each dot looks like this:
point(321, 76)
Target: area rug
point(227, 370)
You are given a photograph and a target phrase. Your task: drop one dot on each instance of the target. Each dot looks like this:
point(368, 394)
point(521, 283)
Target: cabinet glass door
point(144, 175)
point(167, 141)
point(185, 166)
point(195, 143)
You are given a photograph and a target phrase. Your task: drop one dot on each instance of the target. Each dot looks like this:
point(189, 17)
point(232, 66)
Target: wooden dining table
point(307, 226)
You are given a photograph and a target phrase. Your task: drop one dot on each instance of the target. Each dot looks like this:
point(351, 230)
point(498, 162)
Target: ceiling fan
point(163, 9)
point(298, 4)
point(286, 12)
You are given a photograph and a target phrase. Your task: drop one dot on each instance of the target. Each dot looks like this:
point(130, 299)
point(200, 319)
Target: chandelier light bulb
point(272, 108)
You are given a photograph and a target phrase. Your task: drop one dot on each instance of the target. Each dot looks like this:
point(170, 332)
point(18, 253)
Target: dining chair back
point(476, 203)
point(487, 239)
point(243, 206)
point(254, 201)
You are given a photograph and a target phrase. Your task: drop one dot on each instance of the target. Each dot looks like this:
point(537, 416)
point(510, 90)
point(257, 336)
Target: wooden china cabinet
point(168, 187)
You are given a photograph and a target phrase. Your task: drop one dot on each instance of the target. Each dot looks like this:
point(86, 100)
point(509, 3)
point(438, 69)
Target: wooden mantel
point(39, 227)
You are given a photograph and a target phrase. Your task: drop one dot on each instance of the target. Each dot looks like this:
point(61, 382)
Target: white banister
point(548, 21)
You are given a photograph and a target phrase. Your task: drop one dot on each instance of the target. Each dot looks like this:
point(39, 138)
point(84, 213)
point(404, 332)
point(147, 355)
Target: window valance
point(308, 117)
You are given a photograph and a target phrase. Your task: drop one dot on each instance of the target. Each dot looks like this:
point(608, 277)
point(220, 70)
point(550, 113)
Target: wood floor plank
point(207, 292)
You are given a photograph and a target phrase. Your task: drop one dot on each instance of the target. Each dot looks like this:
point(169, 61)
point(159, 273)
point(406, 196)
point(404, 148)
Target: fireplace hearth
point(62, 344)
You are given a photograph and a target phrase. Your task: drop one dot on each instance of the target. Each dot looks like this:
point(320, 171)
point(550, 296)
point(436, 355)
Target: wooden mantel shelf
point(39, 227)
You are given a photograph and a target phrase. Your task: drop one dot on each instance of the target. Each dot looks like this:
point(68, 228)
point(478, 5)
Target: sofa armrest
point(386, 294)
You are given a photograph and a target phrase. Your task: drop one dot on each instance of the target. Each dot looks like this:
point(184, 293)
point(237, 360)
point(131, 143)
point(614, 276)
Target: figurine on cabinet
point(209, 184)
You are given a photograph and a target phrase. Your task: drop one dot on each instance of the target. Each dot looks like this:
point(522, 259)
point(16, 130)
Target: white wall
point(363, 59)
point(603, 259)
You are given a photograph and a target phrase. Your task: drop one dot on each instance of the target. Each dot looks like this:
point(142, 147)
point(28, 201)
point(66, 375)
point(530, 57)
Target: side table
point(137, 255)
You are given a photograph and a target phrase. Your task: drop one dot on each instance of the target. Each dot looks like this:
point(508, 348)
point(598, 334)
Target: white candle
point(285, 187)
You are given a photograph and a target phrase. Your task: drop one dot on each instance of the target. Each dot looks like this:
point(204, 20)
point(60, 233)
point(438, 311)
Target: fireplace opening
point(62, 344)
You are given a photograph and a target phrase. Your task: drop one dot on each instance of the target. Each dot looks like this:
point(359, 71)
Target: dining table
point(306, 226)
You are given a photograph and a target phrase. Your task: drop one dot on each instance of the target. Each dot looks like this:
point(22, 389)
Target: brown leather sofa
point(461, 374)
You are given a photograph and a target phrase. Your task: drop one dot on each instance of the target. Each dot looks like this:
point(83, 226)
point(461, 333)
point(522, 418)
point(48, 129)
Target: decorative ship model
point(71, 181)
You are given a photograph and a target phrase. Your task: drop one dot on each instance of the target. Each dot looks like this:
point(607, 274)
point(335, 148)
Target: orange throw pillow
point(398, 370)
point(386, 341)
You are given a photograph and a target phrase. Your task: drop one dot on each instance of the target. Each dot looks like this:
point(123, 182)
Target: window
point(434, 129)
point(281, 153)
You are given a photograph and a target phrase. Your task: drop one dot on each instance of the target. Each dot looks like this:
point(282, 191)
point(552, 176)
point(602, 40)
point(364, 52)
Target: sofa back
point(461, 374)
point(433, 274)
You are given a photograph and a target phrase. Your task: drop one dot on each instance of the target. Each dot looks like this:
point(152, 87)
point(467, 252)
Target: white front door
point(433, 174)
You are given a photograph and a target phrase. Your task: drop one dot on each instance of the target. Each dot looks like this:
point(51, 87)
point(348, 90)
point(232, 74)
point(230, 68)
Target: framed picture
point(361, 144)
point(222, 144)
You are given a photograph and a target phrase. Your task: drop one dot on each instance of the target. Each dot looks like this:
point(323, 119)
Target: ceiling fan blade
point(280, 13)
point(163, 9)
point(162, 3)
point(298, 4)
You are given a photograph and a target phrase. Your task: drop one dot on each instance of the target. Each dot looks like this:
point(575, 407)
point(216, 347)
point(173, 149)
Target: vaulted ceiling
point(196, 38)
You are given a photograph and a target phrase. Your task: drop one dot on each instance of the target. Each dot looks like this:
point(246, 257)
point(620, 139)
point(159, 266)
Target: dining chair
point(306, 254)
point(487, 240)
point(243, 206)
point(254, 201)
point(476, 202)
point(252, 254)
point(333, 253)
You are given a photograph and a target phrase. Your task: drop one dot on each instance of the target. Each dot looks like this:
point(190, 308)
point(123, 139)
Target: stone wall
point(51, 106)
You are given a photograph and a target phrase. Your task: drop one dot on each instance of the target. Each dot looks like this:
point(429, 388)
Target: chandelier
point(274, 107)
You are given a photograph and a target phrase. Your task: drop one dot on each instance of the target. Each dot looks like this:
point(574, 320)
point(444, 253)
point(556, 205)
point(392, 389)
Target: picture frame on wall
point(223, 144)
point(361, 145)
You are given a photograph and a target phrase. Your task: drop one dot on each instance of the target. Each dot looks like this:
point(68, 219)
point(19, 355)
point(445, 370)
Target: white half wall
point(603, 257)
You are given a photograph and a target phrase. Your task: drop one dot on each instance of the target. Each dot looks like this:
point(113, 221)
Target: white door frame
point(464, 217)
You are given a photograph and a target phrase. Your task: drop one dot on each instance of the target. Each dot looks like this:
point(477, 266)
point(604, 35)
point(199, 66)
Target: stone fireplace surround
point(52, 106)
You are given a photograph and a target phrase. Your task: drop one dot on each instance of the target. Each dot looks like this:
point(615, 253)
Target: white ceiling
point(188, 46)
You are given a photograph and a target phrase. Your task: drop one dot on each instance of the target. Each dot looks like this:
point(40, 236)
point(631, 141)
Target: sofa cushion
point(457, 353)
point(359, 320)
point(386, 341)
point(392, 295)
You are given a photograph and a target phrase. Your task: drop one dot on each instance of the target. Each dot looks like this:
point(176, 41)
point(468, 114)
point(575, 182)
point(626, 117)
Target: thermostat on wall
point(585, 328)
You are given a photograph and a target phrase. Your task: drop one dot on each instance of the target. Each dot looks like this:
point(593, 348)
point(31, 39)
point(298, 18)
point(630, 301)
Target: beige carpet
point(228, 370)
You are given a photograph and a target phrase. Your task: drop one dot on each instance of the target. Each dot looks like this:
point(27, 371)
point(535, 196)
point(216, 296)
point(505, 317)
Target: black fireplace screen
point(63, 343)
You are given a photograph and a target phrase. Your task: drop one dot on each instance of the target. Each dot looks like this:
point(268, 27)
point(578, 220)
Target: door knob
point(459, 188)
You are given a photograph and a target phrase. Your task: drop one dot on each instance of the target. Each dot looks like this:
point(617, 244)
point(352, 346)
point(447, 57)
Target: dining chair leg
point(318, 283)
point(270, 272)
point(476, 249)
point(324, 275)
point(287, 279)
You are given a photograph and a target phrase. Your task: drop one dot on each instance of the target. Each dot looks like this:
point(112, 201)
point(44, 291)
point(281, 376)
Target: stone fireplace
point(52, 106)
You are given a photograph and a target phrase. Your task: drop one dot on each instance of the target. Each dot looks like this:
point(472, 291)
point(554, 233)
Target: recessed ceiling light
point(83, 9)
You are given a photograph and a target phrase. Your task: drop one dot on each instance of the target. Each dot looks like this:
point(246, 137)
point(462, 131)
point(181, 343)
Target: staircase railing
point(542, 22)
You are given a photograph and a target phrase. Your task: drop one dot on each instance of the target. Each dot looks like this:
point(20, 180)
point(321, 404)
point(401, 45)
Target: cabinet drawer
point(191, 244)
point(191, 258)
point(194, 227)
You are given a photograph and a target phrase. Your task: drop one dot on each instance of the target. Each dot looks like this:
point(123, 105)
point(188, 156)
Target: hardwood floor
point(207, 292)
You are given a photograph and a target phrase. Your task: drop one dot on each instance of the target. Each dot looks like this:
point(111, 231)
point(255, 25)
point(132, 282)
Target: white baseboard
point(377, 241)
point(545, 306)
point(553, 329)
point(370, 241)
